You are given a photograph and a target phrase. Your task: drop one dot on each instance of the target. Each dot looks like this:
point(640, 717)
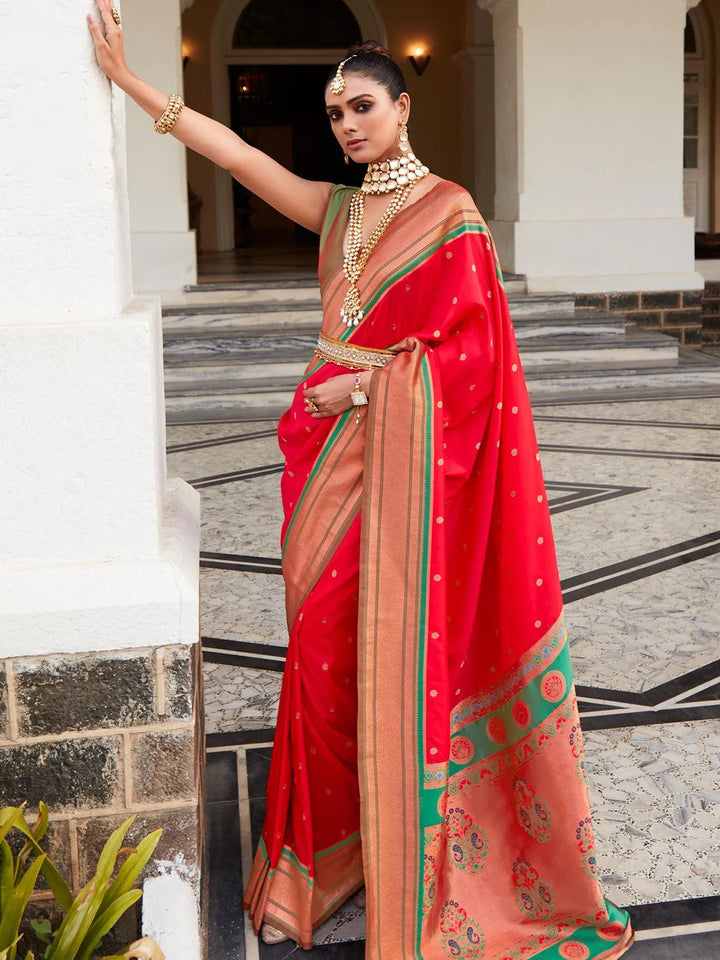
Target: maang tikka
point(337, 84)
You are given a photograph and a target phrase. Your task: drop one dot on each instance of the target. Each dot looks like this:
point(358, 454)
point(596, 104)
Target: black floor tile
point(653, 916)
point(221, 777)
point(226, 922)
point(697, 946)
point(258, 769)
point(352, 950)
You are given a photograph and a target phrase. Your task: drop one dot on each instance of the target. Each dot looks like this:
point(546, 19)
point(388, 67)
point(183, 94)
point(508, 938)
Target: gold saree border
point(329, 503)
point(398, 490)
point(288, 898)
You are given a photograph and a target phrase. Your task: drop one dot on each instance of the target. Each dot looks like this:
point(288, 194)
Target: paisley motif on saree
point(474, 821)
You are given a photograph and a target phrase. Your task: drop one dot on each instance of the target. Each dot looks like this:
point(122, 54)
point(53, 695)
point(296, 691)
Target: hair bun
point(369, 46)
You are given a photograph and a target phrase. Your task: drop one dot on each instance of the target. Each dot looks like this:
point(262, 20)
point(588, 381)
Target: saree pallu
point(419, 562)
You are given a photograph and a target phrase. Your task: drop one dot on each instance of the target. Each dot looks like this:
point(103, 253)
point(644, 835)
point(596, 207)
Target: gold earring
point(404, 141)
point(347, 158)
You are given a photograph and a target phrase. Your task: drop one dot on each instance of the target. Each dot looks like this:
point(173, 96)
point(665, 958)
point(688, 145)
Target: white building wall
point(589, 107)
point(98, 550)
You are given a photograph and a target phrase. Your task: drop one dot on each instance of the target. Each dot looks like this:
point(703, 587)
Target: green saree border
point(532, 696)
point(594, 938)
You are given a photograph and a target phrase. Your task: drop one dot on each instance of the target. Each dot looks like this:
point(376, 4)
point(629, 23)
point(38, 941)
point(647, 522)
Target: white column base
point(172, 914)
point(616, 283)
point(163, 261)
point(710, 270)
point(588, 256)
point(113, 604)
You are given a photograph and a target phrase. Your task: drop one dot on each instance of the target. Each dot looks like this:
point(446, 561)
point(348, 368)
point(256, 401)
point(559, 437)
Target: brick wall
point(711, 313)
point(677, 313)
point(101, 736)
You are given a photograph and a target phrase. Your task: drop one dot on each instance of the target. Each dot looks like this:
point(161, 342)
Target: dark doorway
point(280, 109)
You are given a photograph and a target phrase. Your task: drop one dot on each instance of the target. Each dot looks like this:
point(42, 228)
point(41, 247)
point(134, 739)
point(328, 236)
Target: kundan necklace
point(387, 175)
point(398, 181)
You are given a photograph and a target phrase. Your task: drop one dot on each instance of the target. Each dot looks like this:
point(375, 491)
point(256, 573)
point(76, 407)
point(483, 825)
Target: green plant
point(89, 916)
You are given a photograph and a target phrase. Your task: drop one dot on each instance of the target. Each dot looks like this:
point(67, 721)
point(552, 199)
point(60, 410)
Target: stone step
point(514, 284)
point(536, 305)
point(247, 303)
point(232, 326)
point(692, 370)
point(569, 325)
point(693, 375)
point(288, 357)
point(210, 343)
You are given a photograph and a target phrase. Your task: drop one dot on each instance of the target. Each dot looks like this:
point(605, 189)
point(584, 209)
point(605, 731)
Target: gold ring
point(116, 16)
point(312, 405)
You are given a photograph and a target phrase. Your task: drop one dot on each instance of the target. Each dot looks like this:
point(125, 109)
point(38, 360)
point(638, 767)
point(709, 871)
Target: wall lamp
point(419, 58)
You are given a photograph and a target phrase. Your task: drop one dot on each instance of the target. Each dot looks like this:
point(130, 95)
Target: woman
point(428, 742)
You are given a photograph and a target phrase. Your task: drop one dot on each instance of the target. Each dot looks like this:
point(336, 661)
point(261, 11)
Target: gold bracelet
point(167, 121)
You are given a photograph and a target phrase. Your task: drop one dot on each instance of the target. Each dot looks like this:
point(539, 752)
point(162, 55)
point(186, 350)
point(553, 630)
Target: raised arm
point(303, 201)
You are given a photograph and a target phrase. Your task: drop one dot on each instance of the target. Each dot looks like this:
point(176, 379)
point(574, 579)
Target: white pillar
point(477, 71)
point(98, 551)
point(589, 128)
point(163, 249)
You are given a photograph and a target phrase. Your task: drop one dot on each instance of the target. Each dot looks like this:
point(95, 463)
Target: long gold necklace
point(357, 255)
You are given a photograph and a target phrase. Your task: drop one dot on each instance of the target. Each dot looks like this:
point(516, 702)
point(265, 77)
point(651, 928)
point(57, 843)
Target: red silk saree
point(428, 741)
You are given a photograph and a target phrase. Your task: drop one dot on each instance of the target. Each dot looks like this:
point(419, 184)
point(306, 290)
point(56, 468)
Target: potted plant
point(86, 918)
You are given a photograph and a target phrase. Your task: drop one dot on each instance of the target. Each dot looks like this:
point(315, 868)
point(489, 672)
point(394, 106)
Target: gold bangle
point(167, 121)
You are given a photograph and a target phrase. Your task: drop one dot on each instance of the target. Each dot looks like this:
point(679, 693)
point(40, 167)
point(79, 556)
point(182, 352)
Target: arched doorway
point(697, 155)
point(264, 52)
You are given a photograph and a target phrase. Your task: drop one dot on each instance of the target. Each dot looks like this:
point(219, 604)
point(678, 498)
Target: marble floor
point(633, 487)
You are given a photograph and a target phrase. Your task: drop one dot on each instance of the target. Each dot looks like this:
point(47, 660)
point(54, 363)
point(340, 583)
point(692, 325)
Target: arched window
point(309, 24)
point(690, 38)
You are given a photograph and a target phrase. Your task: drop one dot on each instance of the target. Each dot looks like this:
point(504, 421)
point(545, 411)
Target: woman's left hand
point(333, 396)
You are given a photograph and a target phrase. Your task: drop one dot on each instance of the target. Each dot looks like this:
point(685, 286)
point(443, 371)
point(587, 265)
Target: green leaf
point(57, 884)
point(39, 828)
point(6, 874)
point(5, 952)
point(37, 832)
point(43, 929)
point(131, 869)
point(106, 921)
point(8, 818)
point(77, 921)
point(72, 923)
point(16, 904)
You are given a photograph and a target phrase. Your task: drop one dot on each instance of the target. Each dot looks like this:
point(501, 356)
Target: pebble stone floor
point(633, 487)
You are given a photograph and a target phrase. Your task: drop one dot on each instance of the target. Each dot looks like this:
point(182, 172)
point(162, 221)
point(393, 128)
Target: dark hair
point(371, 59)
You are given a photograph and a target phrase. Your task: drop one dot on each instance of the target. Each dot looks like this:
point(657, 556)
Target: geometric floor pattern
point(634, 493)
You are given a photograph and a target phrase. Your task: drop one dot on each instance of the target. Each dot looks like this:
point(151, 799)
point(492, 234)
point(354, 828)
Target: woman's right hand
point(108, 47)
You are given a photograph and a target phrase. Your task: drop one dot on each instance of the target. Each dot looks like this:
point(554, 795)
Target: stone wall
point(677, 313)
point(101, 736)
point(711, 313)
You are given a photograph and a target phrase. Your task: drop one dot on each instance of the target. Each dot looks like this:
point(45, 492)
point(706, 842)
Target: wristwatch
point(358, 396)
